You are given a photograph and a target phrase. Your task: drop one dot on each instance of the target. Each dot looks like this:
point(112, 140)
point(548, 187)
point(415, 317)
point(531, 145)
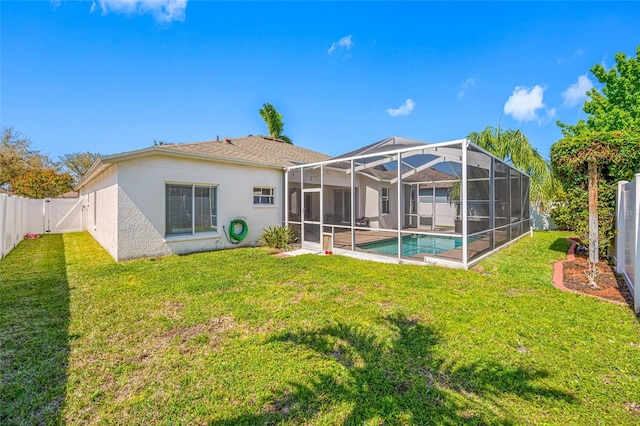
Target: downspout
point(285, 195)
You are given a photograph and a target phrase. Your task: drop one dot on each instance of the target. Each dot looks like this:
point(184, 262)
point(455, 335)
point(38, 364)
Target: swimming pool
point(414, 244)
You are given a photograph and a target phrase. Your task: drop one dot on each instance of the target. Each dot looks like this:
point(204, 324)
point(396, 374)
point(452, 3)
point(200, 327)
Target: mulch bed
point(612, 285)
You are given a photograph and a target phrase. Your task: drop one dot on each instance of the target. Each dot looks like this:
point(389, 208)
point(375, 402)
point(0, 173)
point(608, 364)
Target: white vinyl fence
point(20, 216)
point(628, 237)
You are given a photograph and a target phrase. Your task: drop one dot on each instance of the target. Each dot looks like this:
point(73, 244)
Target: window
point(191, 209)
point(426, 195)
point(264, 196)
point(384, 200)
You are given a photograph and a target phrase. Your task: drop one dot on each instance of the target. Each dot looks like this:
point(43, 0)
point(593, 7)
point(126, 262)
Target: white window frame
point(213, 188)
point(260, 199)
point(385, 206)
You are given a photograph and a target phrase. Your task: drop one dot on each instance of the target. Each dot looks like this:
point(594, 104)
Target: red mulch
point(612, 285)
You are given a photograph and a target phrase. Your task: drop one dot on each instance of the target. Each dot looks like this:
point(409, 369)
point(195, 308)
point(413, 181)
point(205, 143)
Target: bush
point(278, 237)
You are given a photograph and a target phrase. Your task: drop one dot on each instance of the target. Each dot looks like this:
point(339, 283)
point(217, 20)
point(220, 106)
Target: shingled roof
point(255, 149)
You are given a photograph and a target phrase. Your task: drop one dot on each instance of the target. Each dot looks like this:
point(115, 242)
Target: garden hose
point(236, 237)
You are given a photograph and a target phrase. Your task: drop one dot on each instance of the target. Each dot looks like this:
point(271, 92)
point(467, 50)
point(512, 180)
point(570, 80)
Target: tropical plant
point(514, 148)
point(274, 122)
point(279, 237)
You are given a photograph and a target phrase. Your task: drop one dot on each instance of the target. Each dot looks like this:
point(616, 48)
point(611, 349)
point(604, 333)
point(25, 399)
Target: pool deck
point(342, 240)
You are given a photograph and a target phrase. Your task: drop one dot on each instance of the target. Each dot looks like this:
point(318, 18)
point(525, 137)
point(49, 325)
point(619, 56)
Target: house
point(400, 200)
point(182, 198)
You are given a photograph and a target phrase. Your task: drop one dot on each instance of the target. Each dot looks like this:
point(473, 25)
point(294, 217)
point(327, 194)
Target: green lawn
point(243, 337)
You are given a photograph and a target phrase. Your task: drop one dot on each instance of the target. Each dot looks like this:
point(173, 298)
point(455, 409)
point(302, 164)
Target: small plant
point(278, 237)
point(592, 273)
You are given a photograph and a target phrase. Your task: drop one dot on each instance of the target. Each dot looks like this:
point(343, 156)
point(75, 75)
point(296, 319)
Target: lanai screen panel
point(337, 194)
point(431, 188)
point(376, 207)
point(502, 203)
point(430, 198)
point(294, 201)
point(376, 187)
point(526, 207)
point(311, 205)
point(480, 202)
point(516, 203)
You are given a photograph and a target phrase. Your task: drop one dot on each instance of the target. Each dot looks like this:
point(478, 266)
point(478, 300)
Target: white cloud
point(577, 92)
point(163, 11)
point(524, 102)
point(344, 43)
point(403, 110)
point(576, 54)
point(468, 83)
point(551, 113)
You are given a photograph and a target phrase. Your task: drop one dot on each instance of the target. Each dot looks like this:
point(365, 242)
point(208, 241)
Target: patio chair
point(363, 221)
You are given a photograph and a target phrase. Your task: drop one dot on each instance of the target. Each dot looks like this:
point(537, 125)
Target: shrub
point(278, 237)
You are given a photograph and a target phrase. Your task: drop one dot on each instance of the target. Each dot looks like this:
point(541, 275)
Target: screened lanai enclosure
point(448, 203)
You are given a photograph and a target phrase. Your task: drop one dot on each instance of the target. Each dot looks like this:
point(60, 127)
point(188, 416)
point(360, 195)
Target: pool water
point(415, 244)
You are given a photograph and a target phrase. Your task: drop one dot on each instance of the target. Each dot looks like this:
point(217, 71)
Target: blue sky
point(113, 76)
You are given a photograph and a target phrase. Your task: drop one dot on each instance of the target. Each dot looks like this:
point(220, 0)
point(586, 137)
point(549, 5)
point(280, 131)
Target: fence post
point(636, 221)
point(14, 225)
point(3, 224)
point(20, 217)
point(620, 231)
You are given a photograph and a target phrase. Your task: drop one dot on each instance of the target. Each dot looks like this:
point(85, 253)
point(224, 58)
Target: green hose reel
point(238, 230)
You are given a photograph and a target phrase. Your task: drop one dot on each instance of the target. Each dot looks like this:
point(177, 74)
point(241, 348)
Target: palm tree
point(512, 147)
point(274, 122)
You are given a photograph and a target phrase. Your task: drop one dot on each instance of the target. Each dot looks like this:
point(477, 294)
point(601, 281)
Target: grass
point(243, 337)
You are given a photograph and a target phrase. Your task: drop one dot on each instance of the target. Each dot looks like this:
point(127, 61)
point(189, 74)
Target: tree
point(18, 157)
point(42, 183)
point(593, 162)
point(617, 107)
point(274, 122)
point(512, 147)
point(595, 154)
point(78, 163)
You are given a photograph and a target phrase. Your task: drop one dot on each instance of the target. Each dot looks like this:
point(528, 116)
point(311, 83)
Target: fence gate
point(62, 215)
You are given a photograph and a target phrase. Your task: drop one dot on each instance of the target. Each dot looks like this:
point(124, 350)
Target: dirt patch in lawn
point(611, 285)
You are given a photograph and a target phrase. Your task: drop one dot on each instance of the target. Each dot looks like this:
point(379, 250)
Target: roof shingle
point(257, 149)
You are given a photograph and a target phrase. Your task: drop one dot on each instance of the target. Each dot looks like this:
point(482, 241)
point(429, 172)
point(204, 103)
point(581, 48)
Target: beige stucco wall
point(101, 209)
point(371, 206)
point(141, 201)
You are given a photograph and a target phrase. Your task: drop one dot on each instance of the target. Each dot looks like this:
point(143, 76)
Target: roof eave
point(104, 162)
